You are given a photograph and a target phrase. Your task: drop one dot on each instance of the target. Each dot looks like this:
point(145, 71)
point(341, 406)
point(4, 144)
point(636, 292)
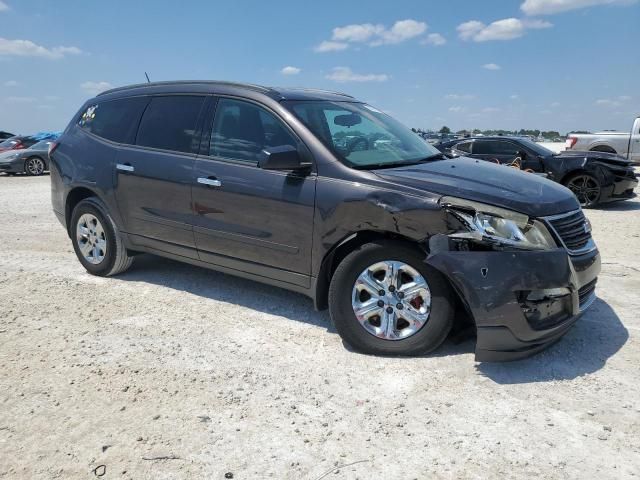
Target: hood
point(486, 182)
point(604, 157)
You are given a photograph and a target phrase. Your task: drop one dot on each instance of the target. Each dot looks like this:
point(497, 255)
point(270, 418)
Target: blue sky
point(547, 64)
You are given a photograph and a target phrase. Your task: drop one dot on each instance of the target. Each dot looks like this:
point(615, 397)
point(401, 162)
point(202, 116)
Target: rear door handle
point(124, 167)
point(210, 181)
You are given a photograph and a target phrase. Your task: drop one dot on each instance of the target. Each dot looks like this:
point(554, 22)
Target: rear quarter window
point(114, 120)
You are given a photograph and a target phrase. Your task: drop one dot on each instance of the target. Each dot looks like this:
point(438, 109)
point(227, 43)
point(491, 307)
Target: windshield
point(536, 147)
point(360, 135)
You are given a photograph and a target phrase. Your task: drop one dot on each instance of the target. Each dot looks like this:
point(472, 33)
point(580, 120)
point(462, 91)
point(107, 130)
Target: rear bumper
point(521, 302)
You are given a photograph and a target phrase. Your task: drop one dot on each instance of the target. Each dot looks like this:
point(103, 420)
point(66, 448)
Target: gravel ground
point(171, 371)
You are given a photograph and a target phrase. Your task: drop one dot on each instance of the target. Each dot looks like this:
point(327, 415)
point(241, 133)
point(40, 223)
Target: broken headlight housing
point(496, 226)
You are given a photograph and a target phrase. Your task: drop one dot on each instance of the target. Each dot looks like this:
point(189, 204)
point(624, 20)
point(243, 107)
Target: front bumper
point(621, 189)
point(14, 166)
point(498, 287)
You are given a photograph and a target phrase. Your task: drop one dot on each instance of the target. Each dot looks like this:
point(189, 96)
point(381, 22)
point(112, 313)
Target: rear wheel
point(34, 166)
point(96, 239)
point(585, 187)
point(384, 299)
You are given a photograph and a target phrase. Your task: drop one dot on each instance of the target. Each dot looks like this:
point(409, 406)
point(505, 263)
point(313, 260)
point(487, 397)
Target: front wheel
point(384, 299)
point(34, 166)
point(585, 187)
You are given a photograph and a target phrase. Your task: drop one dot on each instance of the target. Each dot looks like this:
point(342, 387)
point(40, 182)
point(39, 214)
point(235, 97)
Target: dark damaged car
point(321, 194)
point(594, 177)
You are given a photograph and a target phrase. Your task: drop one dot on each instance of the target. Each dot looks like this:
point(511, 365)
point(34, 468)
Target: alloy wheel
point(585, 188)
point(35, 166)
point(391, 300)
point(91, 238)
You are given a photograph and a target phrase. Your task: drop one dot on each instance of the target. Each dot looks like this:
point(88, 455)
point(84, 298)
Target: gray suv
point(322, 194)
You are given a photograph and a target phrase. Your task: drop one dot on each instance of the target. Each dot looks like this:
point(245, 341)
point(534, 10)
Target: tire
point(585, 187)
point(112, 257)
point(343, 291)
point(34, 166)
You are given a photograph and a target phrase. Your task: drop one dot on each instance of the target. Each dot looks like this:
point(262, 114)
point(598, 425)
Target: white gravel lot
point(171, 371)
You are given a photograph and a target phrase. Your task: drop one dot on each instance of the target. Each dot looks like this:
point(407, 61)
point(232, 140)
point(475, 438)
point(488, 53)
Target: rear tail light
point(52, 147)
point(571, 141)
point(19, 146)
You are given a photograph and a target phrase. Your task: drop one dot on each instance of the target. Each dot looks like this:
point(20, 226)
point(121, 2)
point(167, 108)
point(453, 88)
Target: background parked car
point(32, 161)
point(17, 143)
point(625, 144)
point(594, 177)
point(4, 135)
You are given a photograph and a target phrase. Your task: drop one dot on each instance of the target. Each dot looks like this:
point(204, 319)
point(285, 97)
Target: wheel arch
point(75, 196)
point(602, 147)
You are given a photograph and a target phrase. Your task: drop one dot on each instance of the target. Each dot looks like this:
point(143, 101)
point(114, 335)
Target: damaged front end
point(520, 282)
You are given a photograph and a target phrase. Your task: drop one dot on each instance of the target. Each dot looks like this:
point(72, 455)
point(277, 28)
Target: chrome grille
point(573, 230)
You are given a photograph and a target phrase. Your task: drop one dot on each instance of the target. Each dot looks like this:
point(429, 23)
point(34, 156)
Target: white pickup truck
point(625, 144)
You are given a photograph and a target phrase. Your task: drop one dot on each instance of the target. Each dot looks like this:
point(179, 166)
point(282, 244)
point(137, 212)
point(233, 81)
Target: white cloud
point(514, 97)
point(357, 33)
point(401, 31)
point(491, 66)
point(458, 96)
point(26, 48)
point(490, 110)
point(328, 46)
point(20, 99)
point(11, 83)
point(456, 109)
point(372, 35)
point(434, 39)
point(555, 104)
point(549, 7)
point(345, 74)
point(506, 29)
point(3, 6)
point(613, 102)
point(289, 70)
point(94, 88)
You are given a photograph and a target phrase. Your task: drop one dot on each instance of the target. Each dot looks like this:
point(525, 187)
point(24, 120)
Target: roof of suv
point(186, 86)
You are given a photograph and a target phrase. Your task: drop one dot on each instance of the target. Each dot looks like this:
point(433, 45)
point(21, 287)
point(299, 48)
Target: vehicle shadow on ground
point(226, 288)
point(595, 338)
point(618, 206)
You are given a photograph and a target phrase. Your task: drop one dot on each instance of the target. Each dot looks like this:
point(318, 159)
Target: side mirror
point(285, 157)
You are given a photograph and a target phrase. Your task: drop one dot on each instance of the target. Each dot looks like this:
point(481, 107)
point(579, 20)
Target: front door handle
point(125, 167)
point(210, 181)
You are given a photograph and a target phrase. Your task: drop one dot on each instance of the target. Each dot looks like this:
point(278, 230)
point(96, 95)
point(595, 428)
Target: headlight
point(494, 225)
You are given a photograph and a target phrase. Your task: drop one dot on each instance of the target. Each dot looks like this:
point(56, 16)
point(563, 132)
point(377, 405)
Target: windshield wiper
point(376, 166)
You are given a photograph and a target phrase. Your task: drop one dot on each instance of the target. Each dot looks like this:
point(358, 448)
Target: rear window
point(169, 123)
point(494, 147)
point(115, 120)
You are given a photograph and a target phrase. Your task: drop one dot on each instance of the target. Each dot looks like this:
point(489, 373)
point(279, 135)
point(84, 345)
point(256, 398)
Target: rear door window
point(115, 120)
point(169, 123)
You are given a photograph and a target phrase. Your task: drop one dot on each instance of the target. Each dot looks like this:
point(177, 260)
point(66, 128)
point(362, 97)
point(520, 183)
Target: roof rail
point(317, 90)
point(249, 86)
